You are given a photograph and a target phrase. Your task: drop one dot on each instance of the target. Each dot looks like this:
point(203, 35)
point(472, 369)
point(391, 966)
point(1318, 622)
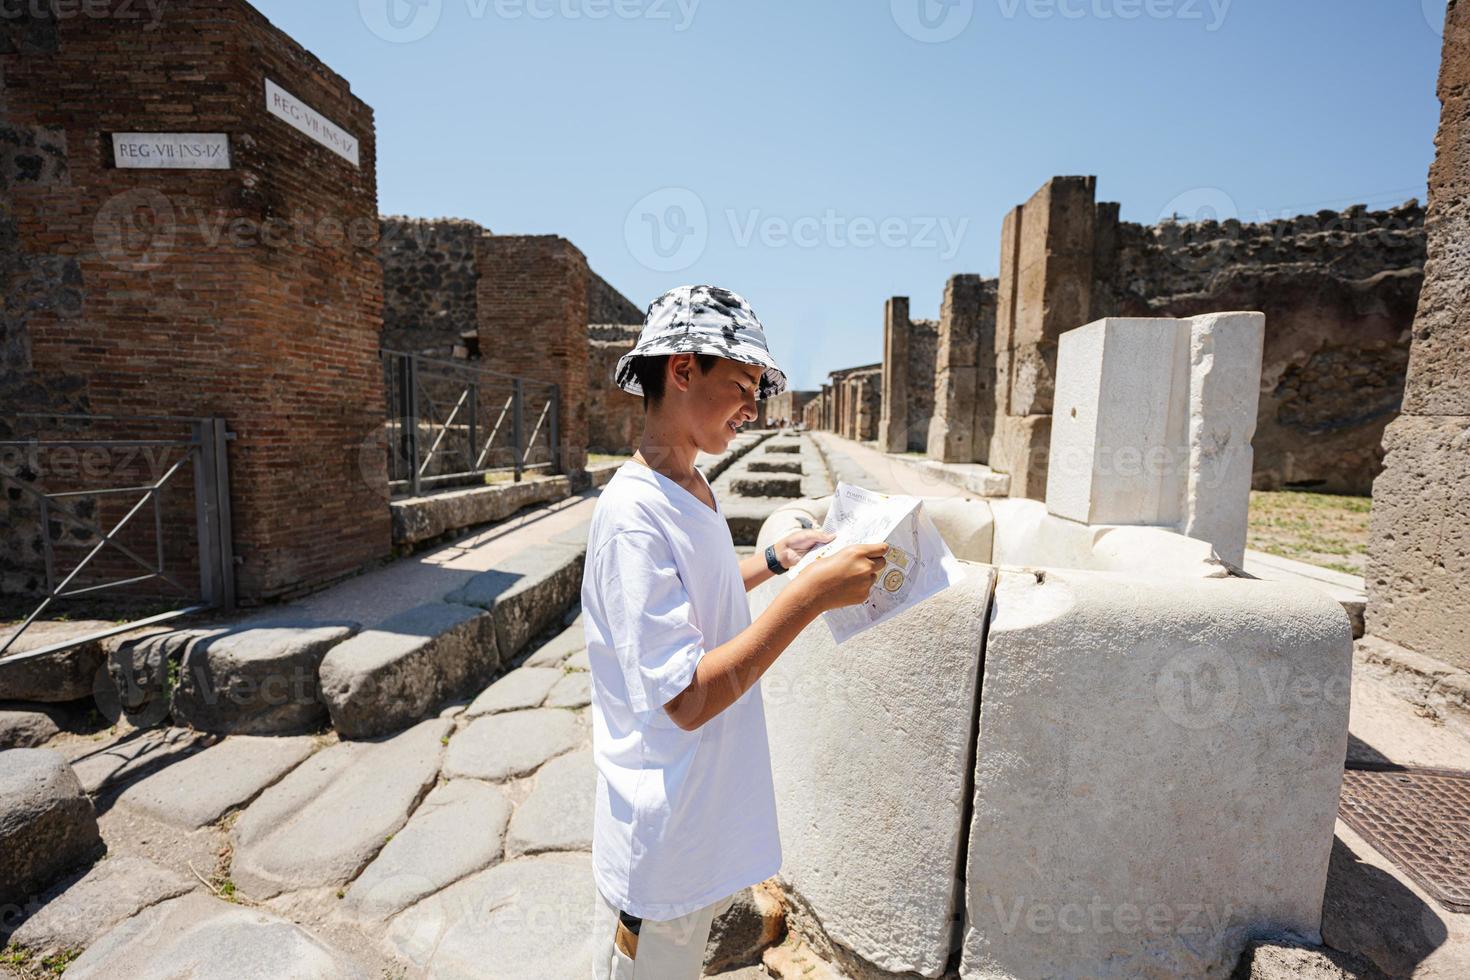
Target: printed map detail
point(918, 564)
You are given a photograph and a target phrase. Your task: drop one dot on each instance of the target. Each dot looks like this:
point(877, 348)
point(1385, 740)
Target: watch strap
point(772, 562)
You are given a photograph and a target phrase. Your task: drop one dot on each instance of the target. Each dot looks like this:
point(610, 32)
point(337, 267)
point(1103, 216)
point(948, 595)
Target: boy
point(685, 813)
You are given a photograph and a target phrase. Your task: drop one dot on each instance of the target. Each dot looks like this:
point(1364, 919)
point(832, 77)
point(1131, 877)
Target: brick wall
point(252, 293)
point(614, 417)
point(429, 279)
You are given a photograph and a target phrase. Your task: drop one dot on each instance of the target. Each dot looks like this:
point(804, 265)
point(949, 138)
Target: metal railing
point(204, 456)
point(453, 423)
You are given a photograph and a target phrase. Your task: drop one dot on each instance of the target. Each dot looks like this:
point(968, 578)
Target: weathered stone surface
point(327, 819)
point(524, 687)
point(1019, 449)
point(1242, 679)
point(880, 868)
point(766, 485)
point(752, 922)
point(528, 919)
point(113, 889)
point(1370, 913)
point(27, 724)
point(199, 789)
point(557, 816)
point(47, 823)
point(202, 938)
point(139, 670)
point(64, 676)
point(421, 518)
point(774, 464)
point(503, 746)
point(386, 678)
point(573, 690)
point(458, 829)
point(257, 680)
point(783, 446)
point(563, 645)
point(526, 592)
point(745, 515)
point(138, 755)
point(578, 661)
point(1285, 959)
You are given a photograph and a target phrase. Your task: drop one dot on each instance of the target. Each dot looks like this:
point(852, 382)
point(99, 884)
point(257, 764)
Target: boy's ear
point(681, 369)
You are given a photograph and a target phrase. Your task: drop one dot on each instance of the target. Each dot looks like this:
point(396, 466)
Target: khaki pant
point(666, 950)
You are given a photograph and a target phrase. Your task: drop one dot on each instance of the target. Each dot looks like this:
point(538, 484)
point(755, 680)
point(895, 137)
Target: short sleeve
point(648, 617)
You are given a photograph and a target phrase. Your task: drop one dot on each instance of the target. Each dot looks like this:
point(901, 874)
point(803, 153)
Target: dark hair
point(649, 370)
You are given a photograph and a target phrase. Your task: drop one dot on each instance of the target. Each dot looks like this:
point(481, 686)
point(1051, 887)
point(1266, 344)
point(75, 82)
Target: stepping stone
point(112, 890)
point(527, 919)
point(526, 592)
point(574, 690)
point(136, 756)
point(138, 669)
point(47, 824)
point(775, 446)
point(524, 687)
point(203, 938)
point(257, 680)
point(578, 661)
point(330, 816)
point(776, 464)
point(386, 678)
point(201, 788)
point(557, 816)
point(563, 645)
point(512, 744)
point(457, 830)
point(766, 485)
point(27, 724)
point(63, 676)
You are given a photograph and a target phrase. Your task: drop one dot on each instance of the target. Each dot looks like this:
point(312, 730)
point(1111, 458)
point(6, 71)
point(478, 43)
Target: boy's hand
point(792, 548)
point(844, 579)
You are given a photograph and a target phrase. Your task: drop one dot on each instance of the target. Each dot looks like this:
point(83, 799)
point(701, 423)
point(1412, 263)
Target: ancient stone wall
point(963, 412)
point(923, 348)
point(790, 405)
point(614, 417)
point(252, 293)
point(1418, 573)
point(429, 278)
point(606, 305)
point(857, 401)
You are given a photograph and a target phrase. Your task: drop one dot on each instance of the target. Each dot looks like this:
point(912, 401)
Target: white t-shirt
point(682, 819)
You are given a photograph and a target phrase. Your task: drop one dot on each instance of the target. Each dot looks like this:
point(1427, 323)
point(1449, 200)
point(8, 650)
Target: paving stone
point(138, 669)
point(578, 661)
point(331, 815)
point(457, 830)
point(563, 645)
point(783, 446)
point(386, 678)
point(573, 690)
point(527, 919)
point(47, 824)
point(83, 909)
point(27, 724)
point(557, 816)
point(774, 464)
point(512, 744)
point(203, 938)
point(524, 687)
point(201, 788)
point(766, 485)
point(62, 676)
point(259, 679)
point(137, 755)
point(526, 592)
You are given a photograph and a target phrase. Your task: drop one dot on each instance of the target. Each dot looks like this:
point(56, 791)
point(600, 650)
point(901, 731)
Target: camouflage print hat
point(703, 320)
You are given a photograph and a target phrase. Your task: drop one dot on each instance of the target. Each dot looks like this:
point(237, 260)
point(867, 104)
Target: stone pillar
point(893, 434)
point(1418, 573)
point(246, 287)
point(532, 300)
point(964, 363)
point(1045, 289)
point(1154, 424)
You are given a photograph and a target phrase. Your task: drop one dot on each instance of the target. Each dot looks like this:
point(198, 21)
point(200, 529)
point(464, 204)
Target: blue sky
point(819, 156)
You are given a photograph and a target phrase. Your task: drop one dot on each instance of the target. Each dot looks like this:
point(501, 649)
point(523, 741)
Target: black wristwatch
point(772, 562)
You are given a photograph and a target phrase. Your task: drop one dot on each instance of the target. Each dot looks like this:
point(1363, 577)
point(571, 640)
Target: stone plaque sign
point(171, 151)
point(303, 117)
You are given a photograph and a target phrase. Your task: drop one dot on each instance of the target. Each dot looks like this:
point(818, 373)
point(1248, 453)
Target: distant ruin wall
point(606, 305)
point(429, 280)
point(614, 417)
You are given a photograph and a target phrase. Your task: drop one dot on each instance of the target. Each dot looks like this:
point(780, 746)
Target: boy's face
point(713, 406)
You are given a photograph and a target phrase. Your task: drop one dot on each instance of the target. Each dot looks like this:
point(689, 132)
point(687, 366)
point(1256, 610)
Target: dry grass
point(1325, 529)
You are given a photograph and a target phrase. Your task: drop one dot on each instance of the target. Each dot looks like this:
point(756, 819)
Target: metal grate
point(1420, 820)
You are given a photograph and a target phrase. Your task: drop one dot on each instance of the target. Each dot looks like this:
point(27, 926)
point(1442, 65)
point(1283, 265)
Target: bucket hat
point(703, 320)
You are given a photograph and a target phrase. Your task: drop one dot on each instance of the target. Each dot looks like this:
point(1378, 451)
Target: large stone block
point(526, 592)
point(1019, 449)
point(384, 679)
point(1032, 382)
point(62, 676)
point(1418, 573)
point(951, 429)
point(47, 824)
point(257, 680)
point(1157, 773)
point(873, 843)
